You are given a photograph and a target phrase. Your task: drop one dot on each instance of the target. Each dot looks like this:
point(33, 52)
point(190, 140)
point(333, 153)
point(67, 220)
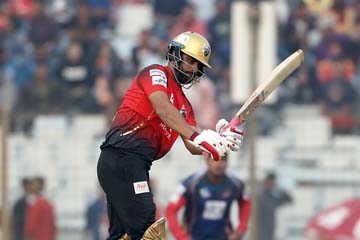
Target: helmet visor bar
point(194, 75)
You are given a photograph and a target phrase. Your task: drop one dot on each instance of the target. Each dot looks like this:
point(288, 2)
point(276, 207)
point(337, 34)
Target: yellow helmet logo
point(206, 50)
point(194, 45)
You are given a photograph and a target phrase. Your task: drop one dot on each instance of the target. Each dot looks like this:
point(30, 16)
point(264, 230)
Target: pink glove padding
point(233, 135)
point(210, 142)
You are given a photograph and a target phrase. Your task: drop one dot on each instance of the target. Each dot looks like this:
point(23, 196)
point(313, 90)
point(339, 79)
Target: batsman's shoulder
point(155, 69)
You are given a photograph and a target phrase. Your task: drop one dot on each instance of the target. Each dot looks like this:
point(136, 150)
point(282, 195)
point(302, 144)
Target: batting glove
point(211, 142)
point(233, 135)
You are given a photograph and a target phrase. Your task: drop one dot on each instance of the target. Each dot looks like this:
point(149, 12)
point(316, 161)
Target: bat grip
point(235, 121)
point(205, 154)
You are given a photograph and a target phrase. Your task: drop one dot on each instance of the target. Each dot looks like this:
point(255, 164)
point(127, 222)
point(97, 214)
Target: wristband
point(193, 136)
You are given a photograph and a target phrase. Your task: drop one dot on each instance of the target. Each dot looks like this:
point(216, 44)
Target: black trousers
point(123, 177)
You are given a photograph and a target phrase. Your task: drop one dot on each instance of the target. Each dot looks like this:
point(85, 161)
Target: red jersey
point(136, 112)
point(40, 220)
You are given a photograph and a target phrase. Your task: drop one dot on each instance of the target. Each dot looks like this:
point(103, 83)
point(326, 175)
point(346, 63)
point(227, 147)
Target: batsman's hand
point(233, 135)
point(211, 142)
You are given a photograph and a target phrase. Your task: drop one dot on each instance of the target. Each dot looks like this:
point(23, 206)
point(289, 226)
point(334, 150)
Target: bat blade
point(277, 76)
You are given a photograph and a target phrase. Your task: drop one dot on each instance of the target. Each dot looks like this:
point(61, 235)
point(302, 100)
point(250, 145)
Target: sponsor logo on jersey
point(167, 130)
point(204, 192)
point(172, 98)
point(158, 77)
point(226, 193)
point(214, 210)
point(141, 187)
point(183, 111)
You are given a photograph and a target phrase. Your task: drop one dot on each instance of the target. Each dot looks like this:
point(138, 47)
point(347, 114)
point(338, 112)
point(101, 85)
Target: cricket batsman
point(153, 113)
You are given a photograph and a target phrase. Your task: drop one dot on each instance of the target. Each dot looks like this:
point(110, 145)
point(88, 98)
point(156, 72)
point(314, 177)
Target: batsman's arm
point(169, 114)
point(194, 150)
point(172, 118)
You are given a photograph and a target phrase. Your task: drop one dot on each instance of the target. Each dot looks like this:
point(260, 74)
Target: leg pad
point(156, 231)
point(125, 237)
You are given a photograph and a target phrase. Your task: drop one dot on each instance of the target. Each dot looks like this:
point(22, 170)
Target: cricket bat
point(277, 76)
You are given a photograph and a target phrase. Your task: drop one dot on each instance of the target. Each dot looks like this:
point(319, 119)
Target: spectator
point(335, 65)
point(107, 62)
point(43, 95)
point(165, 13)
point(344, 16)
point(6, 25)
point(19, 212)
point(337, 102)
point(145, 52)
point(318, 6)
point(296, 31)
point(219, 31)
point(62, 11)
point(168, 9)
point(75, 76)
point(305, 87)
point(326, 26)
point(40, 218)
point(207, 198)
point(205, 9)
point(19, 67)
point(83, 28)
point(43, 31)
point(80, 22)
point(270, 198)
point(96, 216)
point(108, 68)
point(100, 12)
point(23, 8)
point(187, 21)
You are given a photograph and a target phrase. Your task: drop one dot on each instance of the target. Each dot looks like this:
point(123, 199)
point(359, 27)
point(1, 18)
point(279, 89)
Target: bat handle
point(235, 121)
point(205, 154)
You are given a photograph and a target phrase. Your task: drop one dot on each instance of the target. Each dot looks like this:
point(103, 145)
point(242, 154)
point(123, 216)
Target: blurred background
point(66, 64)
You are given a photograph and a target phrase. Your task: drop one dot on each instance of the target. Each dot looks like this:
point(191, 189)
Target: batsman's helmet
point(194, 45)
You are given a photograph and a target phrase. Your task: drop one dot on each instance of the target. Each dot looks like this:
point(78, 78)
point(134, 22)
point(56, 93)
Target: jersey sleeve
point(177, 201)
point(152, 79)
point(30, 220)
point(244, 214)
point(244, 204)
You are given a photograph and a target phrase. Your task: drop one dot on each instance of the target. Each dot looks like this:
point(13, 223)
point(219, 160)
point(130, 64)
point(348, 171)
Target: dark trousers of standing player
point(128, 212)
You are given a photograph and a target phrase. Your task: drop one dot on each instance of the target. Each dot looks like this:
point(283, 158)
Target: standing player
point(154, 112)
point(207, 198)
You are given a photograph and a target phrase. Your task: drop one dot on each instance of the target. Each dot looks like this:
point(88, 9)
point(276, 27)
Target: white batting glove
point(233, 135)
point(211, 142)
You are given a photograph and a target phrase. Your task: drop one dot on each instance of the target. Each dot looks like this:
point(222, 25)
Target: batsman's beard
point(184, 79)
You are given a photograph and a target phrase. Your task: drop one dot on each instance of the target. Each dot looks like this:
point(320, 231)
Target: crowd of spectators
point(329, 32)
point(66, 56)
